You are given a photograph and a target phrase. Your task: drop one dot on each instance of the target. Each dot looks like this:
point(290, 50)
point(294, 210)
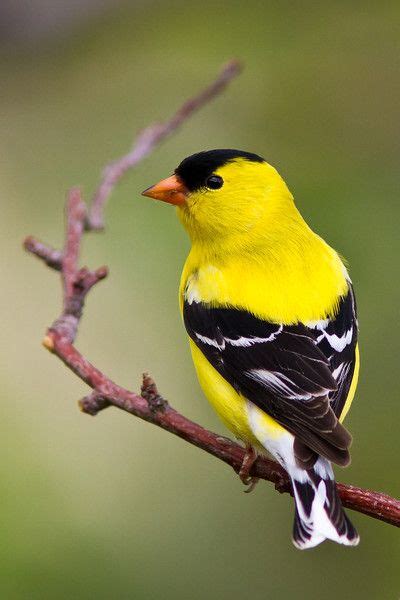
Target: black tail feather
point(319, 512)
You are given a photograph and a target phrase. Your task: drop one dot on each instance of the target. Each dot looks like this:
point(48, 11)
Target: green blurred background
point(112, 507)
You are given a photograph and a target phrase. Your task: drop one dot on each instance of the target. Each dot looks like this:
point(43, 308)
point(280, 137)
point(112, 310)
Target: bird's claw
point(251, 483)
point(244, 473)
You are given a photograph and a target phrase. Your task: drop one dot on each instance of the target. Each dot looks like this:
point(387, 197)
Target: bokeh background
point(112, 507)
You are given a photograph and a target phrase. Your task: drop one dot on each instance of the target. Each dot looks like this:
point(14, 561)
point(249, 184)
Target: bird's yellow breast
point(290, 288)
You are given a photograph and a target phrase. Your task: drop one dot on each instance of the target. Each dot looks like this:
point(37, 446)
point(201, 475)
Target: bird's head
point(224, 193)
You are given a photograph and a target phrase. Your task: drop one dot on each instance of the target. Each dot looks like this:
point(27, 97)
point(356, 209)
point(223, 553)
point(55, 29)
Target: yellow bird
point(270, 312)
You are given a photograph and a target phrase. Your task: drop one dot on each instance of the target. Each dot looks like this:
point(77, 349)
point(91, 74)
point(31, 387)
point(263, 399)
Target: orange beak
point(170, 190)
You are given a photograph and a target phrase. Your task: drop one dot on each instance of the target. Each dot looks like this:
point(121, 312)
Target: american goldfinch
point(270, 312)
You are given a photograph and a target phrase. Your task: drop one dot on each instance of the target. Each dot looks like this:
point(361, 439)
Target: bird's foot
point(244, 473)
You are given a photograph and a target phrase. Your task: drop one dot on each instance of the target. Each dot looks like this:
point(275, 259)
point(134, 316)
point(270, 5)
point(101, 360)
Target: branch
point(150, 137)
point(150, 405)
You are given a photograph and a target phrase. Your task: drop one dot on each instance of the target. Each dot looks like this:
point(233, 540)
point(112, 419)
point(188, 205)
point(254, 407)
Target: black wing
point(284, 370)
point(337, 338)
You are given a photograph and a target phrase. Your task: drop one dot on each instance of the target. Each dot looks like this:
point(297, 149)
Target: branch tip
point(102, 272)
point(233, 67)
point(48, 343)
point(93, 403)
point(52, 257)
point(28, 243)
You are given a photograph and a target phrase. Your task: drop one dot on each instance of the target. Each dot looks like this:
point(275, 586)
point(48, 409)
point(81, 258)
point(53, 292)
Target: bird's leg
point(244, 472)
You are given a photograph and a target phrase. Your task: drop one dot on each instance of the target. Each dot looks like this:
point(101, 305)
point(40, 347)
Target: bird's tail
point(319, 512)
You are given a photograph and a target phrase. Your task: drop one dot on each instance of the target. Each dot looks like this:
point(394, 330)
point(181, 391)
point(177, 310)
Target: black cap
point(194, 170)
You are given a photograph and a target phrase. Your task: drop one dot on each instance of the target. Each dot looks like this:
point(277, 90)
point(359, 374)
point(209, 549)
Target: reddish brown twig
point(150, 405)
point(52, 257)
point(152, 136)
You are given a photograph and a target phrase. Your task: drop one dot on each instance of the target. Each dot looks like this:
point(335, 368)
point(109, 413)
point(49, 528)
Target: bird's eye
point(214, 182)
